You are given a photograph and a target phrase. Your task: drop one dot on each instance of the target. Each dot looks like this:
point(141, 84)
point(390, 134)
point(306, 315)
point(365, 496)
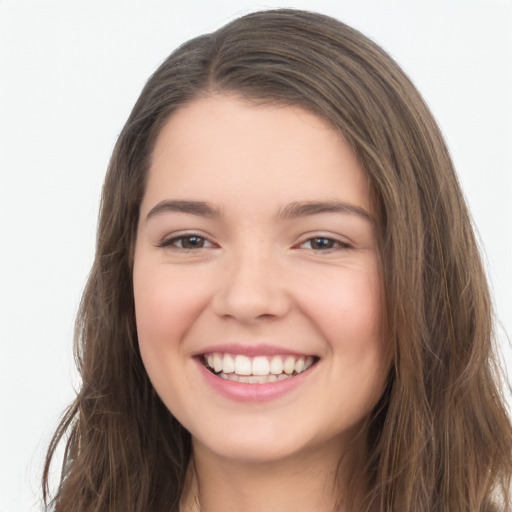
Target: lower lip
point(244, 392)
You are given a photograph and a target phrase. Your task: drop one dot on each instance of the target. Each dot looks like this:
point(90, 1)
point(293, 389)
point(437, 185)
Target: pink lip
point(249, 350)
point(244, 392)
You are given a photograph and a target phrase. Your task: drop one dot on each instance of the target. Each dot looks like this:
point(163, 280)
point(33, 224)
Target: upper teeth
point(259, 365)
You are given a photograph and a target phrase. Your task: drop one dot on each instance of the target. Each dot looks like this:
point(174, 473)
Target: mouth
point(260, 369)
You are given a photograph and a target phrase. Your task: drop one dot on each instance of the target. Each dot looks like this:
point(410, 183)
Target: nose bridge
point(252, 286)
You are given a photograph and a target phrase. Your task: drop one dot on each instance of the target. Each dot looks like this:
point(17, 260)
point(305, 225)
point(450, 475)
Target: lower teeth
point(254, 379)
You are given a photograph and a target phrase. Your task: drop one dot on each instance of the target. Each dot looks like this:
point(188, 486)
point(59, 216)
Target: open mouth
point(258, 369)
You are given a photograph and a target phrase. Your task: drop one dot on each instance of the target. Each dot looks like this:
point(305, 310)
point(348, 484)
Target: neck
point(317, 481)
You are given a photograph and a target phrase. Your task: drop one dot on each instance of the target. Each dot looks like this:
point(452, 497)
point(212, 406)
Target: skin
point(307, 284)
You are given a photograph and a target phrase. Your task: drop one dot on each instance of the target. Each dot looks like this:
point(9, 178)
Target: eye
point(323, 243)
point(187, 242)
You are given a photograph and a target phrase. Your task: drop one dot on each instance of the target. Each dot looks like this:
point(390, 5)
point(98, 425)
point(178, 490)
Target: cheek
point(348, 313)
point(166, 305)
point(348, 310)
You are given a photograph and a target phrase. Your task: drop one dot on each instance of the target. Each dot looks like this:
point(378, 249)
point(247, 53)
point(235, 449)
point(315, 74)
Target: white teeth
point(242, 365)
point(217, 362)
point(299, 365)
point(228, 364)
point(289, 365)
point(260, 366)
point(276, 365)
point(257, 370)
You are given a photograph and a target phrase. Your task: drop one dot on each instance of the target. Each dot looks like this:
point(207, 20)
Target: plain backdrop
point(69, 74)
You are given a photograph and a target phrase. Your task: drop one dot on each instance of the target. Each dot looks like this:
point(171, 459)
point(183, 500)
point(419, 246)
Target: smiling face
point(256, 280)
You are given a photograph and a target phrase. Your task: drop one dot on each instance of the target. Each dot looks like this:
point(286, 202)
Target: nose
point(252, 289)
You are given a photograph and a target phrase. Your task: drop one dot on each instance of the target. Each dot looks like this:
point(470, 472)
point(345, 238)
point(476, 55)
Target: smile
point(258, 369)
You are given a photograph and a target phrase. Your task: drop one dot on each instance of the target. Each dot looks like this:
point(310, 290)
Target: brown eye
point(188, 242)
point(191, 242)
point(322, 243)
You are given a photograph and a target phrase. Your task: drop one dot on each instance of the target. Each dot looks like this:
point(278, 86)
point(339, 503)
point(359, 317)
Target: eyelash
point(172, 242)
point(333, 243)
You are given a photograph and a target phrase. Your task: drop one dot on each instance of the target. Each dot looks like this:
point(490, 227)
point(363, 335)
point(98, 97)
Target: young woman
point(287, 309)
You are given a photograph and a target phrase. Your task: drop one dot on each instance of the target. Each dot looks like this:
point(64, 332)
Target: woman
point(287, 308)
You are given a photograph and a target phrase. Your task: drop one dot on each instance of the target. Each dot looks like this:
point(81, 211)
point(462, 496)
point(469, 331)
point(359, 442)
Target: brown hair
point(440, 438)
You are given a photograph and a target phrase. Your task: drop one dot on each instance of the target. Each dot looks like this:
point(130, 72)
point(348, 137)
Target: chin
point(250, 452)
point(254, 445)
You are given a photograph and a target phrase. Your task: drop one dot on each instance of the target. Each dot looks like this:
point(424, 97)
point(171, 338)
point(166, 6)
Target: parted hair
point(440, 438)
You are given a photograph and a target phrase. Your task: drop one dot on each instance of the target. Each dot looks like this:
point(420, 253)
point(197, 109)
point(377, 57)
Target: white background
point(69, 75)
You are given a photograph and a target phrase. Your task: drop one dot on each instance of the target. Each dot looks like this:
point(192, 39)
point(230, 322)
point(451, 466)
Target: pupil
point(192, 242)
point(321, 243)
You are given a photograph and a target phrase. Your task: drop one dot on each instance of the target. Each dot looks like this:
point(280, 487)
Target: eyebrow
point(200, 208)
point(290, 211)
point(305, 209)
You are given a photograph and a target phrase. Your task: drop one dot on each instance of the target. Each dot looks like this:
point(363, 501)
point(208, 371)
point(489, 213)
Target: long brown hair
point(440, 438)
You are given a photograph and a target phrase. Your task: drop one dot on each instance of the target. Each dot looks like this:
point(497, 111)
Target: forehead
point(222, 148)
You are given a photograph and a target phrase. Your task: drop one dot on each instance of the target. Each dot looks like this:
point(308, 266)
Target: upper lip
point(251, 350)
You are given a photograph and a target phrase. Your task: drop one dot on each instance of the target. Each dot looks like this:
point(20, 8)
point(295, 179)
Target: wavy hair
point(440, 439)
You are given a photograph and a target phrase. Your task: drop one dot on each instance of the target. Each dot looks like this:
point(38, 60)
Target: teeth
point(254, 379)
point(228, 364)
point(260, 366)
point(299, 365)
point(276, 365)
point(217, 362)
point(242, 365)
point(289, 365)
point(256, 370)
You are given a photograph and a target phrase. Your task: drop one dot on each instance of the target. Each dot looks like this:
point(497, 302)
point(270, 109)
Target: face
point(256, 280)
